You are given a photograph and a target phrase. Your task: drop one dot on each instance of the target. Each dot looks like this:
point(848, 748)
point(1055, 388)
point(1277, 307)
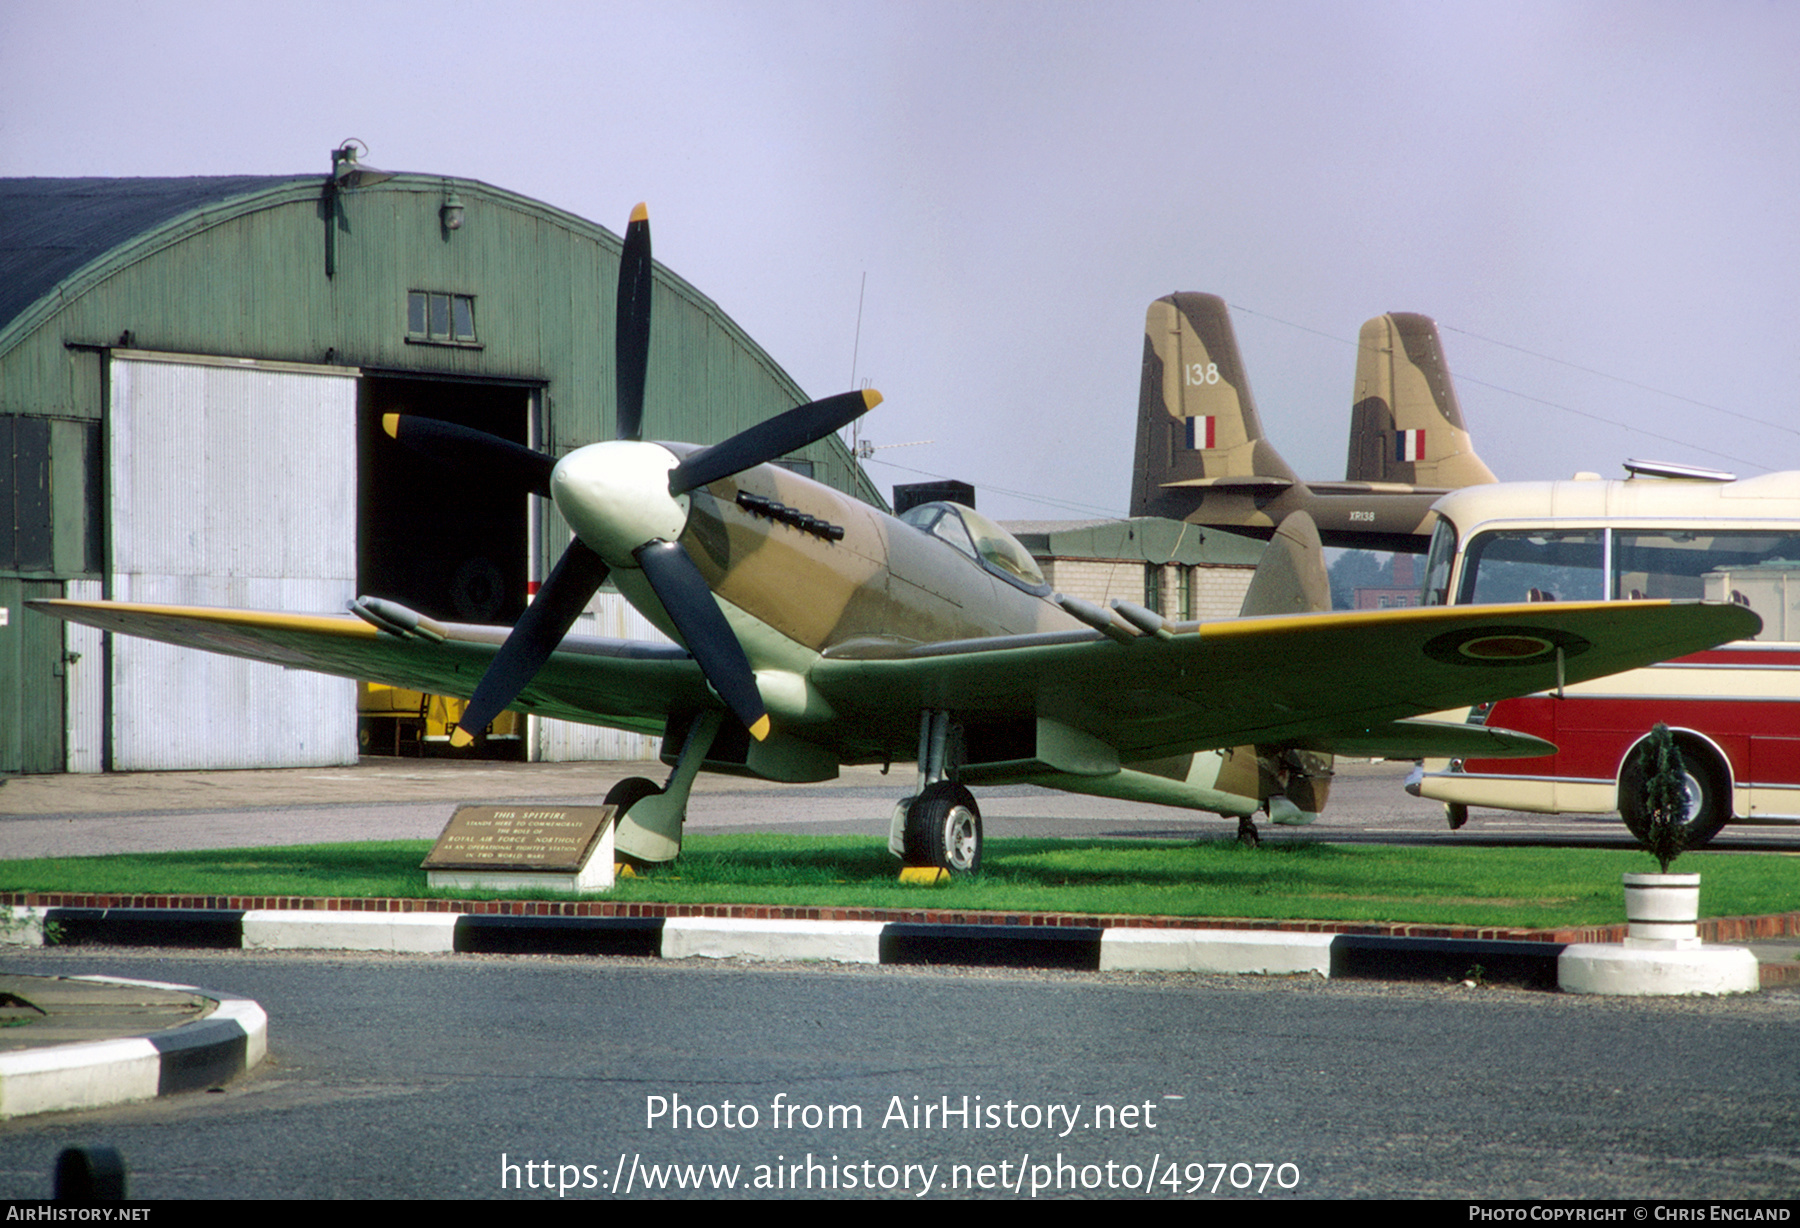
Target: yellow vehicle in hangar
point(392, 720)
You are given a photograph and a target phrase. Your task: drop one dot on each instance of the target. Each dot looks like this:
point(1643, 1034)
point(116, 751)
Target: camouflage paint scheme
point(1230, 477)
point(854, 636)
point(1402, 384)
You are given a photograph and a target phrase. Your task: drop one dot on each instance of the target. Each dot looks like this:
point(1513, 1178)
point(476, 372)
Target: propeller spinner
point(627, 503)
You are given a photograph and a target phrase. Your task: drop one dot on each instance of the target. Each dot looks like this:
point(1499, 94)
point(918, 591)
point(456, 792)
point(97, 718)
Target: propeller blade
point(577, 576)
point(631, 344)
point(767, 440)
point(499, 461)
point(684, 593)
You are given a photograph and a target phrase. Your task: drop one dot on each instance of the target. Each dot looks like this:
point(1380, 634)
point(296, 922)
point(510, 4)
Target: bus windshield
point(1759, 568)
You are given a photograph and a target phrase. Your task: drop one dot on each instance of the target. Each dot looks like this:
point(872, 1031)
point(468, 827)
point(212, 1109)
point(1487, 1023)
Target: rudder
point(1196, 415)
point(1406, 424)
point(1291, 577)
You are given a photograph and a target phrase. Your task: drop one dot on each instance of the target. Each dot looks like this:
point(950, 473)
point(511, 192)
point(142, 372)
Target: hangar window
point(436, 318)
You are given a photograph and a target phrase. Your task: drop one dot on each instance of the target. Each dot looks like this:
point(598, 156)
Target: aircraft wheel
point(943, 828)
point(1456, 814)
point(1709, 805)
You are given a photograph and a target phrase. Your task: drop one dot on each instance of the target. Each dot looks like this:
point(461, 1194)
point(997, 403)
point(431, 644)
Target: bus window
point(1757, 568)
point(1437, 565)
point(1533, 565)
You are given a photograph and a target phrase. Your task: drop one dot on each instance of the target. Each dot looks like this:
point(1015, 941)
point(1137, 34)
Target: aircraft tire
point(943, 828)
point(1709, 804)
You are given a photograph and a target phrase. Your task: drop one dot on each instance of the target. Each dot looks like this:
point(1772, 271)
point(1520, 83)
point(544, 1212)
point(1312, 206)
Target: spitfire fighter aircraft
point(813, 630)
point(1202, 456)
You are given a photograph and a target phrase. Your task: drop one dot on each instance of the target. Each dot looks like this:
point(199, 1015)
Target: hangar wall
point(224, 493)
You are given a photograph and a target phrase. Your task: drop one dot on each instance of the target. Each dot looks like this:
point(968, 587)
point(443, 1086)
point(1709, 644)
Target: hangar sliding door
point(232, 484)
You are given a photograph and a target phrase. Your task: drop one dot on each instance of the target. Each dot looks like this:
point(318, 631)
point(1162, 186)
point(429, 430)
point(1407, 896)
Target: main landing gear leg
point(649, 827)
point(940, 825)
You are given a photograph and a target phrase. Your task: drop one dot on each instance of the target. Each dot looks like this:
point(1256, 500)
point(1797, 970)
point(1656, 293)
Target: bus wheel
point(1709, 805)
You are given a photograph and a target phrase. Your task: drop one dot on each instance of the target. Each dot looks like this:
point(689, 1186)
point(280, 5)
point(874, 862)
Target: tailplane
point(1406, 425)
point(1197, 421)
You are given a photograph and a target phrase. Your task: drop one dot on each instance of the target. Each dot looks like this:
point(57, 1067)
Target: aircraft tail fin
point(1196, 416)
point(1406, 424)
point(1291, 577)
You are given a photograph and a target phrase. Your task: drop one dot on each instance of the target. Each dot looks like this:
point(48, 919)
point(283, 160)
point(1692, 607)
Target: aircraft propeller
point(627, 502)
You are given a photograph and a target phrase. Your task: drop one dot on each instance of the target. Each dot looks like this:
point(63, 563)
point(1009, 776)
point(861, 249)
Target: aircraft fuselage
point(804, 572)
point(1359, 516)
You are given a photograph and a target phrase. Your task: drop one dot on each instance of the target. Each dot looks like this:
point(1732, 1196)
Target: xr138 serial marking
point(815, 631)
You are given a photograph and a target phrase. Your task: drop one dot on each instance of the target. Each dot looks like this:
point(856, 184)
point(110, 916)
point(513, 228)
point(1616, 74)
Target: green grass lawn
point(1530, 887)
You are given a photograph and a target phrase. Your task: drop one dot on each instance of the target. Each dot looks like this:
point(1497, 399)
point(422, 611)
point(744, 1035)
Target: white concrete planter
point(1663, 908)
point(1663, 955)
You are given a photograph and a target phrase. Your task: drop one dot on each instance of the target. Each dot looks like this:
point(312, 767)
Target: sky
point(970, 205)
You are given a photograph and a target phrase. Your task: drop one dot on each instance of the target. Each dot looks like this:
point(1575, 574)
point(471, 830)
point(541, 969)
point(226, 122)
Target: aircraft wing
point(624, 684)
point(1346, 681)
point(1334, 679)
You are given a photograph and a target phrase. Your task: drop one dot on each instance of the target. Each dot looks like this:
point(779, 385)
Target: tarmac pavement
point(62, 1024)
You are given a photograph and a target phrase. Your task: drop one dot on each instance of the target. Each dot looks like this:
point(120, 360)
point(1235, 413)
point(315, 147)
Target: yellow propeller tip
point(461, 738)
point(871, 398)
point(391, 424)
point(760, 730)
point(641, 213)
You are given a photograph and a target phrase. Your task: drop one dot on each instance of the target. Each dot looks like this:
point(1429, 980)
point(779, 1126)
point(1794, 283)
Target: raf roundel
point(1503, 646)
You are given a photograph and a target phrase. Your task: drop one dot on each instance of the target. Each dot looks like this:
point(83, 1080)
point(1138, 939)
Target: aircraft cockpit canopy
point(981, 539)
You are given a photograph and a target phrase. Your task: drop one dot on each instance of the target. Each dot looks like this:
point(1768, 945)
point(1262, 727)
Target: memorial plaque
point(557, 848)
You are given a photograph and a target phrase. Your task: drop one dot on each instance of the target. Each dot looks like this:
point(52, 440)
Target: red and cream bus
point(1666, 532)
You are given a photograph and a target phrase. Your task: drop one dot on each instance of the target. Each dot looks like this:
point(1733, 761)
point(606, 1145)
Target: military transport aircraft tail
point(1405, 422)
point(1201, 455)
point(1197, 421)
